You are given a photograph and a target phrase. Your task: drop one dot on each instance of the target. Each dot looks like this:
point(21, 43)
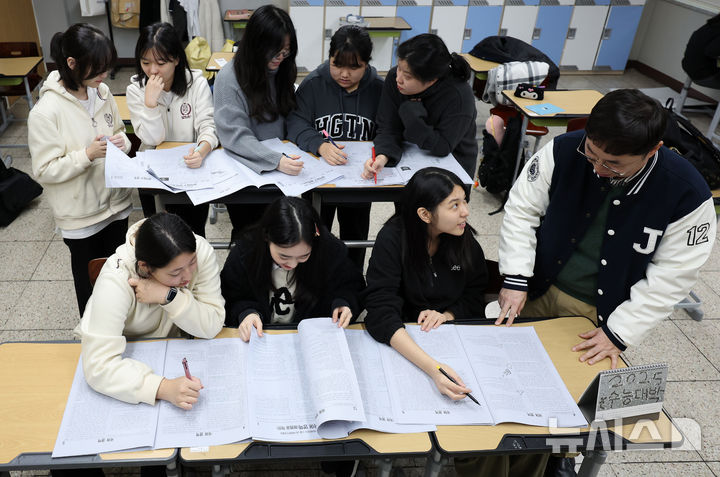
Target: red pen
point(374, 173)
point(186, 368)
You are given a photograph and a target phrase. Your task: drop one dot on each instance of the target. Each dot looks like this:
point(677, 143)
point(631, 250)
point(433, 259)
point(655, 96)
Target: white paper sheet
point(168, 165)
point(358, 153)
point(124, 171)
point(414, 159)
point(314, 173)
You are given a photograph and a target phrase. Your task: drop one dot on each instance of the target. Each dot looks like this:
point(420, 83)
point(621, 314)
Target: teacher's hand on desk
point(598, 347)
point(373, 167)
point(511, 304)
point(290, 165)
point(332, 155)
point(248, 323)
point(181, 392)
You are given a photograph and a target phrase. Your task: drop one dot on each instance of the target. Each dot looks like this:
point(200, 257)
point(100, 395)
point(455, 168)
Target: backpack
point(17, 190)
point(685, 139)
point(497, 168)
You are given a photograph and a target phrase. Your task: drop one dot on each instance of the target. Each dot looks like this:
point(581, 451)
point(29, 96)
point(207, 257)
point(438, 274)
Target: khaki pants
point(555, 302)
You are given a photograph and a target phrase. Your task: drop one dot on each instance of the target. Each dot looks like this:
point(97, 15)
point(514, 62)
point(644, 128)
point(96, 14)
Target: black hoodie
point(324, 104)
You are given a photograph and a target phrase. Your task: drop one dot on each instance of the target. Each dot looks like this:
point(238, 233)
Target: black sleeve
point(346, 283)
point(383, 295)
point(471, 304)
point(300, 129)
point(389, 137)
point(240, 300)
point(439, 139)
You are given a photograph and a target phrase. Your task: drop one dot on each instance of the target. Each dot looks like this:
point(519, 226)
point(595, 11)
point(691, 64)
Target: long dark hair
point(161, 238)
point(428, 188)
point(264, 38)
point(286, 222)
point(349, 44)
point(428, 58)
point(164, 40)
point(94, 54)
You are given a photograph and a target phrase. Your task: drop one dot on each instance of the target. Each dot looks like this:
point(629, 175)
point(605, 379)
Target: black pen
point(455, 382)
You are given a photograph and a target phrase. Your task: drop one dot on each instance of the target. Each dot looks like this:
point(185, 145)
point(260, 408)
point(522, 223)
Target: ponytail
point(459, 67)
point(92, 51)
point(428, 58)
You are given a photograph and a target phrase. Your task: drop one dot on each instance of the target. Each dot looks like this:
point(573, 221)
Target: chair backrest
point(94, 267)
point(576, 124)
point(12, 49)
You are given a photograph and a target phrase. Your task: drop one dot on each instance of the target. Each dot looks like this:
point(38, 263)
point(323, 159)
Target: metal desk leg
point(172, 469)
point(518, 159)
point(28, 92)
point(316, 201)
point(592, 462)
point(434, 464)
point(384, 467)
point(220, 470)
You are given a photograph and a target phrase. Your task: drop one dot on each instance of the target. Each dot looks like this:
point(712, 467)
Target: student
point(164, 279)
point(427, 267)
point(170, 102)
point(68, 130)
point(700, 60)
point(341, 97)
point(427, 101)
point(286, 268)
point(254, 93)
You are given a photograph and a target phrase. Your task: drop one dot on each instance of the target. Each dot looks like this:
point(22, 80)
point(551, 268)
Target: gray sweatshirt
point(239, 134)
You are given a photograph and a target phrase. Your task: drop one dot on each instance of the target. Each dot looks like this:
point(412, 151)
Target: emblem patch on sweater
point(185, 110)
point(108, 119)
point(533, 170)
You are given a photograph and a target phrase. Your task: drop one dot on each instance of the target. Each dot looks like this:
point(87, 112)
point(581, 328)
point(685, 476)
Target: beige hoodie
point(59, 130)
point(113, 314)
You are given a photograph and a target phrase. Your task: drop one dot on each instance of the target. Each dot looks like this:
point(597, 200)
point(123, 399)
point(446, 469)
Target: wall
point(664, 30)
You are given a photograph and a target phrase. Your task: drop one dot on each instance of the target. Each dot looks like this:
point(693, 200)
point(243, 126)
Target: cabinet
point(583, 37)
point(551, 29)
point(617, 38)
point(482, 21)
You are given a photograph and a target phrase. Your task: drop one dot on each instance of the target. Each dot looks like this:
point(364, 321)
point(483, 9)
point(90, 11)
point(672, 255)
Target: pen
point(374, 173)
point(187, 369)
point(329, 138)
point(455, 382)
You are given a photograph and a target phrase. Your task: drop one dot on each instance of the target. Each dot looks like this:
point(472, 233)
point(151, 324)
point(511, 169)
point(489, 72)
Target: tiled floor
point(37, 302)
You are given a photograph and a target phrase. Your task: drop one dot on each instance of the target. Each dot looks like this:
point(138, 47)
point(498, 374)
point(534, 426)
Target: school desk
point(575, 104)
point(37, 377)
point(213, 65)
point(558, 335)
point(479, 66)
point(361, 444)
point(20, 68)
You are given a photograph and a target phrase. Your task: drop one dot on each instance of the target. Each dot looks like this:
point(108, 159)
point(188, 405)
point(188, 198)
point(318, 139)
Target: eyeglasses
point(581, 150)
point(282, 54)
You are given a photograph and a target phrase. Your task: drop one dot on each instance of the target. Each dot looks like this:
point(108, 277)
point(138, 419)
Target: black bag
point(496, 170)
point(17, 190)
point(685, 139)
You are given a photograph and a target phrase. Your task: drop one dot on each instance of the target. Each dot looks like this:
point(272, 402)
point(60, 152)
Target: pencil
point(374, 173)
point(329, 138)
point(455, 382)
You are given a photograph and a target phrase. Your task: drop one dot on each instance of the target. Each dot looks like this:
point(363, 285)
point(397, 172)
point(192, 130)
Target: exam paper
point(414, 159)
point(358, 153)
point(315, 172)
point(124, 171)
point(168, 166)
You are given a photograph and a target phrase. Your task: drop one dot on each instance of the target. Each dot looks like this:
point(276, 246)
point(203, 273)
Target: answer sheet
point(168, 166)
point(315, 172)
point(414, 159)
point(358, 153)
point(122, 170)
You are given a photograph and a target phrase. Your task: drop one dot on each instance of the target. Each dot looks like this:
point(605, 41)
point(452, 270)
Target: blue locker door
point(418, 17)
point(551, 29)
point(482, 22)
point(618, 37)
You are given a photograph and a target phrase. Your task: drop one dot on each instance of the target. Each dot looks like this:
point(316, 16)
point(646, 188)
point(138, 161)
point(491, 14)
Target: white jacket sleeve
point(51, 163)
point(119, 125)
point(684, 247)
point(200, 311)
point(204, 123)
point(526, 205)
point(147, 122)
point(103, 344)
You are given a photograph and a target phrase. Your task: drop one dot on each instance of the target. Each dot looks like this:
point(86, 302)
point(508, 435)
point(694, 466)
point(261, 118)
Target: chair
point(507, 112)
point(15, 86)
point(94, 267)
point(576, 124)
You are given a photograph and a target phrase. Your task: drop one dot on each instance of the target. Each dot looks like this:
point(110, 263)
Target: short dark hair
point(427, 188)
point(264, 37)
point(161, 238)
point(428, 58)
point(165, 42)
point(626, 121)
point(93, 52)
point(350, 43)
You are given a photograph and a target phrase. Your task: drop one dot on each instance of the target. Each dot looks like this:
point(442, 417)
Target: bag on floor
point(17, 190)
point(684, 138)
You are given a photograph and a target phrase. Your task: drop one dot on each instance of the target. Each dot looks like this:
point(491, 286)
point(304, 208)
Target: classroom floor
point(37, 302)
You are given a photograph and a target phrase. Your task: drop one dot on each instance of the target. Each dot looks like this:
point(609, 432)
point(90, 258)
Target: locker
point(551, 29)
point(519, 22)
point(310, 38)
point(618, 37)
point(583, 37)
point(482, 21)
point(445, 21)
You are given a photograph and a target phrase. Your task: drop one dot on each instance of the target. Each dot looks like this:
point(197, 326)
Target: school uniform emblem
point(108, 119)
point(185, 110)
point(533, 170)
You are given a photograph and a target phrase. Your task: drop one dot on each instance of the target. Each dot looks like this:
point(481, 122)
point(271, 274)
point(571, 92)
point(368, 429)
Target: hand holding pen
point(182, 392)
point(290, 164)
point(456, 392)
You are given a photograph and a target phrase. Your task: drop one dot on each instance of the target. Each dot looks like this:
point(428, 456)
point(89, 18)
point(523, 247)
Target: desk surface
point(575, 103)
point(387, 23)
point(558, 336)
point(121, 102)
point(213, 64)
point(478, 65)
point(20, 66)
point(37, 379)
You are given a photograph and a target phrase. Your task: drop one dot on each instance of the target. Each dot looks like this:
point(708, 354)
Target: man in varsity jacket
point(606, 223)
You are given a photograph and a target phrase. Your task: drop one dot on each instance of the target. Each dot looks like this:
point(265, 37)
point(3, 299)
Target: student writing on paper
point(170, 102)
point(68, 131)
point(340, 97)
point(286, 268)
point(427, 101)
point(253, 95)
point(164, 279)
point(426, 267)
